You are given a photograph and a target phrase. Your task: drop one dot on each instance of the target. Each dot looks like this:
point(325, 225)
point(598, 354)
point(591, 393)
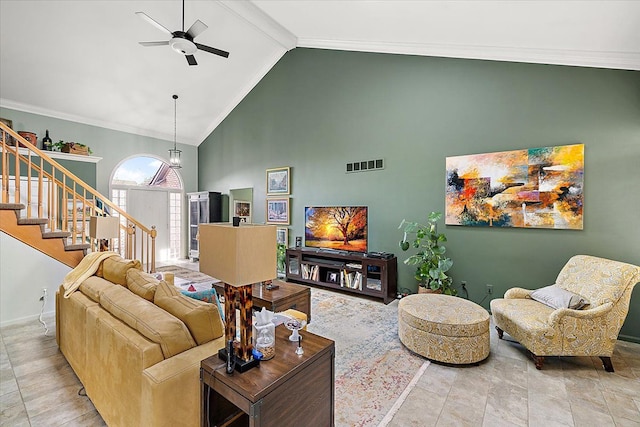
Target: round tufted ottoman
point(444, 328)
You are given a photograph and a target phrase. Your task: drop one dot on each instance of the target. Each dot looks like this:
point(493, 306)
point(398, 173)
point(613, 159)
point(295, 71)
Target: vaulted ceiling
point(81, 61)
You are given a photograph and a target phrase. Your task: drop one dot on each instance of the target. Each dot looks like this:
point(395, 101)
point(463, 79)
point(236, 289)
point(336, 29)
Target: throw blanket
point(85, 269)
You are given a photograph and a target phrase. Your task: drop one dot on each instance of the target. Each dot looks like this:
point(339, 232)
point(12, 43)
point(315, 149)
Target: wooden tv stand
point(352, 272)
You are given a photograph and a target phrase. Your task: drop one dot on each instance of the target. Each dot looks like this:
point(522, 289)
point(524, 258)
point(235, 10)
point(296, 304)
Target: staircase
point(46, 207)
point(32, 232)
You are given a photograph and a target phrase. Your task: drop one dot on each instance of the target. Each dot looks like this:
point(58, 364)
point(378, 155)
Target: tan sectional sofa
point(136, 345)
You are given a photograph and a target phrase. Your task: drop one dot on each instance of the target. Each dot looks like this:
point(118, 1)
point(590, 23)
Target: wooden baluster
point(130, 236)
point(40, 183)
point(29, 183)
point(153, 248)
point(16, 191)
point(5, 169)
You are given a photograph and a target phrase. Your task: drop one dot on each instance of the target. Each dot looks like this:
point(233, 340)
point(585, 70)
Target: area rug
point(373, 371)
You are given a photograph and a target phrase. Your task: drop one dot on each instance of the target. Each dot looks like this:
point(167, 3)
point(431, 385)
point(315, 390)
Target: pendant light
point(174, 154)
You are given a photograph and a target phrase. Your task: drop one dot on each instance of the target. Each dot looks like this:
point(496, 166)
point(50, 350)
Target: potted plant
point(281, 256)
point(431, 263)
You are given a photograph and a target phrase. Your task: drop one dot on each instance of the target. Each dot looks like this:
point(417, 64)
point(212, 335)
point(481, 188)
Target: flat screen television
point(341, 228)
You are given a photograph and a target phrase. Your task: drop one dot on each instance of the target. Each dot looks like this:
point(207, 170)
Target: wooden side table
point(288, 390)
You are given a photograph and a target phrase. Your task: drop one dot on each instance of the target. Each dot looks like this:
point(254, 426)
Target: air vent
point(365, 165)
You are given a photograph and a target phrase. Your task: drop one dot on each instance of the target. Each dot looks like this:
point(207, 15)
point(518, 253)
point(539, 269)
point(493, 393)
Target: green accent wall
point(316, 110)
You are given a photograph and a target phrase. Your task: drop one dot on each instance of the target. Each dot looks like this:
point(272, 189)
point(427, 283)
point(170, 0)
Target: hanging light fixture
point(174, 153)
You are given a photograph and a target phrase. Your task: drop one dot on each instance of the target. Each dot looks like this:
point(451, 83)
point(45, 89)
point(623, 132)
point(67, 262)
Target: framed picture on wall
point(282, 236)
point(278, 211)
point(242, 209)
point(278, 181)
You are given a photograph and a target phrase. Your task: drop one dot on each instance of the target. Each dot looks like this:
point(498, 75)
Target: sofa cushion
point(93, 287)
point(114, 269)
point(202, 319)
point(148, 319)
point(142, 284)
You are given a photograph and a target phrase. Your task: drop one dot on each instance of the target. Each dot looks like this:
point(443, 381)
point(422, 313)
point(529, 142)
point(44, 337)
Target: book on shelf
point(351, 279)
point(310, 272)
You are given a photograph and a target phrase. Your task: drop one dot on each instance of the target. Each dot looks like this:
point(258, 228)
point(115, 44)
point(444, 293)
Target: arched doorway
point(149, 190)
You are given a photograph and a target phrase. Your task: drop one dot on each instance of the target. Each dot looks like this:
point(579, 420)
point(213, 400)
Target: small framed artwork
point(278, 211)
point(332, 277)
point(278, 181)
point(282, 236)
point(242, 209)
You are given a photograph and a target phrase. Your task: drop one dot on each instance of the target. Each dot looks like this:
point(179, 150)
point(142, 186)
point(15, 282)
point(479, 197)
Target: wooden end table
point(289, 390)
point(288, 295)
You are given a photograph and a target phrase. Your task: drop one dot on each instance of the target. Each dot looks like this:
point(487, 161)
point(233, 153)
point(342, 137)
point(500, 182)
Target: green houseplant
point(281, 256)
point(430, 260)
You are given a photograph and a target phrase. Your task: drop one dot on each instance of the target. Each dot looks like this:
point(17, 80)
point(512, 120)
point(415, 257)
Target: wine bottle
point(46, 142)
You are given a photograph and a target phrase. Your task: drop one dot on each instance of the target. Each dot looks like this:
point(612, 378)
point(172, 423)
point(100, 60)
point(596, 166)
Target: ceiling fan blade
point(148, 44)
point(153, 22)
point(212, 50)
point(191, 59)
point(197, 28)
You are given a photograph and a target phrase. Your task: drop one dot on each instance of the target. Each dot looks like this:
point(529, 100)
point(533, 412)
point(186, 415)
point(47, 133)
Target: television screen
point(341, 228)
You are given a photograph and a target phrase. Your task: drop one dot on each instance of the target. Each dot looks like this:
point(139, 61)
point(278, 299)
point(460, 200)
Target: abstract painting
point(530, 188)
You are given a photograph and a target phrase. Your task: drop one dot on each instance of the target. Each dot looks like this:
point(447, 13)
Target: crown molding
point(580, 58)
point(256, 17)
point(14, 105)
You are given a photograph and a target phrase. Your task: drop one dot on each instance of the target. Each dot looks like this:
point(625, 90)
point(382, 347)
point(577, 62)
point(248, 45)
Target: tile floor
point(38, 388)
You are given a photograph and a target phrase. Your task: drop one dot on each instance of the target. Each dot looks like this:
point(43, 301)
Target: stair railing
point(55, 193)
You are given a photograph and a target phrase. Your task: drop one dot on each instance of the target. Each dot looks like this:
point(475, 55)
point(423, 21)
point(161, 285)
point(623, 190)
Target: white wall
point(24, 272)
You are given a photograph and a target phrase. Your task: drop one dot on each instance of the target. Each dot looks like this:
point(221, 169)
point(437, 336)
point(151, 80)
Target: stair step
point(55, 234)
point(32, 221)
point(12, 206)
point(77, 247)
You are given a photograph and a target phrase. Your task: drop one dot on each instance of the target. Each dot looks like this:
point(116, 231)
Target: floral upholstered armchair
point(603, 284)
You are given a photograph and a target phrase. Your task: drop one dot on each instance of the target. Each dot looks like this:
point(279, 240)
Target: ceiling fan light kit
point(183, 42)
point(182, 45)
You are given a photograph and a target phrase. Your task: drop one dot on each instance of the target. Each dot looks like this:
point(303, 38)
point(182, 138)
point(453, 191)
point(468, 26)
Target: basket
point(73, 148)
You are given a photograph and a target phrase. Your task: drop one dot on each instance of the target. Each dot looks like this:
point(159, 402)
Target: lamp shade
point(104, 227)
point(238, 255)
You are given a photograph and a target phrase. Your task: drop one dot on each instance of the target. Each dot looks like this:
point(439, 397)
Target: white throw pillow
point(556, 297)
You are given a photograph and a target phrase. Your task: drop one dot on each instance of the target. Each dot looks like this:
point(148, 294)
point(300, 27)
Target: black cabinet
point(204, 207)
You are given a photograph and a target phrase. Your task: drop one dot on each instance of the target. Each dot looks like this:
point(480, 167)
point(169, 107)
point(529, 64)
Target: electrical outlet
point(44, 294)
point(463, 284)
point(489, 289)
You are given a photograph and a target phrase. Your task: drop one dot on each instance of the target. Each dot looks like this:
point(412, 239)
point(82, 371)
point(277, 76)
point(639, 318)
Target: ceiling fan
point(181, 41)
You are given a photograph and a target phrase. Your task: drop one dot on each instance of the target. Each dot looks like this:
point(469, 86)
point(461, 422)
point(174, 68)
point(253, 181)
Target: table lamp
point(239, 257)
point(103, 229)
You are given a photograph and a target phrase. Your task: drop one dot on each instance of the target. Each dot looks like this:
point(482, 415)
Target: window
point(156, 175)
